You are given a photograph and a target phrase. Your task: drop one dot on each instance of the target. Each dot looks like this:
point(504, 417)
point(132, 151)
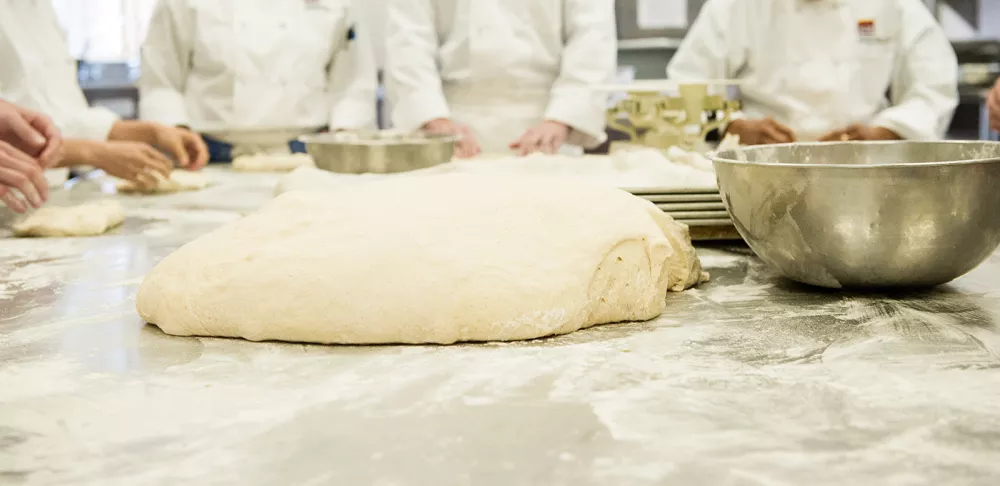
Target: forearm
point(133, 131)
point(79, 152)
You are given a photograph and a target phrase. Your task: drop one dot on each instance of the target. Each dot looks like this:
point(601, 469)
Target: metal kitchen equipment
point(254, 140)
point(650, 115)
point(380, 152)
point(702, 210)
point(866, 214)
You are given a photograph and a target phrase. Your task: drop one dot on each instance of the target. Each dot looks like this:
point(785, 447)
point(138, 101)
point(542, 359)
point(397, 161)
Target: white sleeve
point(353, 78)
point(925, 84)
point(714, 48)
point(80, 122)
point(68, 107)
point(93, 123)
point(710, 46)
point(166, 61)
point(412, 76)
point(589, 58)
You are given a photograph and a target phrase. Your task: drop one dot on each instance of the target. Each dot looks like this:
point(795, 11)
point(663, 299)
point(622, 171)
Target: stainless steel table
point(747, 380)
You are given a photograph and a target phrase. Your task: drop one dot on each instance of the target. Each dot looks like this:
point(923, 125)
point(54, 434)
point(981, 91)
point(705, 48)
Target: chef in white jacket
point(821, 69)
point(37, 72)
point(506, 74)
point(257, 63)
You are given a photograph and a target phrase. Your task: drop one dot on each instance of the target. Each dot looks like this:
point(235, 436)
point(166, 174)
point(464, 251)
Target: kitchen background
point(105, 35)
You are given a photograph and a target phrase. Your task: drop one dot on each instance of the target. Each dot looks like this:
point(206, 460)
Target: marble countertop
point(747, 380)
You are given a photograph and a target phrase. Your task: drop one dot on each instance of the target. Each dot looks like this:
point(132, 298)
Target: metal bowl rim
point(714, 156)
point(318, 139)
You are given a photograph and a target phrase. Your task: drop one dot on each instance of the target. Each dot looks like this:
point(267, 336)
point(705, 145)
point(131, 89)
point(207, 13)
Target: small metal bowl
point(855, 214)
point(265, 137)
point(378, 151)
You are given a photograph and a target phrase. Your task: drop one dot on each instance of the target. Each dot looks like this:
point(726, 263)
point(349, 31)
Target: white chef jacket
point(257, 63)
point(501, 66)
point(38, 72)
point(821, 65)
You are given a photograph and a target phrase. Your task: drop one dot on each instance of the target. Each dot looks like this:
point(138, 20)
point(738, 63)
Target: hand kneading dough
point(435, 259)
point(89, 219)
point(180, 180)
point(272, 163)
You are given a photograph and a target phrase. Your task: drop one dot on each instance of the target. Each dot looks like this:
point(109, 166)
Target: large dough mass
point(435, 259)
point(89, 219)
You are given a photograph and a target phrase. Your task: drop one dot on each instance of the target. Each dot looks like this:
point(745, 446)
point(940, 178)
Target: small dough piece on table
point(180, 180)
point(90, 219)
point(57, 177)
point(272, 162)
point(435, 259)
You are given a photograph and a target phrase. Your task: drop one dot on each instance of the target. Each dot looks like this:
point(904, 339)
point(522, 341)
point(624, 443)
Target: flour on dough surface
point(437, 259)
point(90, 219)
point(179, 180)
point(272, 162)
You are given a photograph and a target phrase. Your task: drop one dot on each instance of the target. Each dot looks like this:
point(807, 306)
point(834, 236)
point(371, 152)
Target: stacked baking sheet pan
point(701, 209)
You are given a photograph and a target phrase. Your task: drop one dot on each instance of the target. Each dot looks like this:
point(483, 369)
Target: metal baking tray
point(682, 198)
point(718, 222)
point(698, 214)
point(692, 206)
point(664, 191)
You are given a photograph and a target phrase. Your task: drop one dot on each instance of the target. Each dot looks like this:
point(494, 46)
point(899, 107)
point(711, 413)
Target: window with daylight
point(105, 30)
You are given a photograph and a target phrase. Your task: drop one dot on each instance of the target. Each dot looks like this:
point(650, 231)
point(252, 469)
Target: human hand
point(546, 137)
point(31, 132)
point(20, 173)
point(133, 161)
point(185, 146)
point(994, 106)
point(761, 132)
point(858, 132)
point(466, 147)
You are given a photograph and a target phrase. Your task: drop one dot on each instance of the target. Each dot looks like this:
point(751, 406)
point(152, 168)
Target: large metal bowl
point(378, 151)
point(880, 214)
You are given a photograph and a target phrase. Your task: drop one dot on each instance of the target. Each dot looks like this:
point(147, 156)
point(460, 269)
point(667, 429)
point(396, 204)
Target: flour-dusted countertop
point(747, 380)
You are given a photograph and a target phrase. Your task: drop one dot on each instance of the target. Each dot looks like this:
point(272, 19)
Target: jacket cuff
point(904, 123)
point(411, 113)
point(586, 119)
point(164, 106)
point(351, 114)
point(93, 124)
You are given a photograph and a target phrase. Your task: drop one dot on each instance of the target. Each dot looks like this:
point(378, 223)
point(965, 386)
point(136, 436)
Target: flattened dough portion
point(180, 180)
point(89, 219)
point(436, 259)
point(272, 162)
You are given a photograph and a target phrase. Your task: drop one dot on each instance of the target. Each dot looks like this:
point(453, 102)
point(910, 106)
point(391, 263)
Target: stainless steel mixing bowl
point(378, 151)
point(855, 214)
